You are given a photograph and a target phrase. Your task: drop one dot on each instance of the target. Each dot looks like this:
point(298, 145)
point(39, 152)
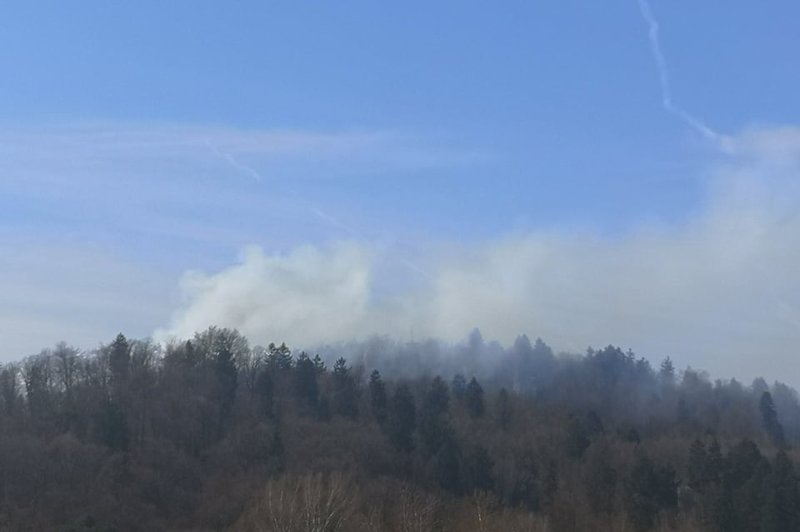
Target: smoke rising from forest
point(712, 290)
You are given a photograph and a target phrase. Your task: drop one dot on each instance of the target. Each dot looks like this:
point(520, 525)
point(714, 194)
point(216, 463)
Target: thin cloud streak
point(189, 174)
point(230, 159)
point(664, 79)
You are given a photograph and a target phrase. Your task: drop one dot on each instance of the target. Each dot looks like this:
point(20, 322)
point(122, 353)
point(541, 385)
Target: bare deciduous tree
point(311, 503)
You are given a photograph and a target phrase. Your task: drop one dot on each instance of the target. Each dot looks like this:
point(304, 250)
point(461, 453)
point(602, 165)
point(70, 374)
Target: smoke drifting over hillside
point(719, 290)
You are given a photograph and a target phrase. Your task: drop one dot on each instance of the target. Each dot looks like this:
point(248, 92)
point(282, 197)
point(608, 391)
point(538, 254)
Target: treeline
point(212, 434)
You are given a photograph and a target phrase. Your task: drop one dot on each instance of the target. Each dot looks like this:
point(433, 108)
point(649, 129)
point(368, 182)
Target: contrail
point(330, 220)
point(231, 160)
point(663, 75)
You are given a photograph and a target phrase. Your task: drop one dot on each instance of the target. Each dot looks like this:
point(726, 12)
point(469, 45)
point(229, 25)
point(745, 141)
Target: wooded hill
point(211, 434)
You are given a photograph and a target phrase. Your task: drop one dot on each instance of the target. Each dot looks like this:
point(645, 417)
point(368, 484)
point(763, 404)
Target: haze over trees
point(213, 434)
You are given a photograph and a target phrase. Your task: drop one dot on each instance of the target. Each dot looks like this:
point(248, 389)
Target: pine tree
point(503, 409)
point(319, 364)
point(119, 360)
point(474, 398)
point(434, 428)
point(782, 505)
point(264, 393)
point(769, 417)
point(279, 358)
point(478, 466)
point(304, 382)
point(650, 490)
point(377, 396)
point(459, 386)
point(345, 393)
point(667, 371)
point(698, 466)
point(401, 419)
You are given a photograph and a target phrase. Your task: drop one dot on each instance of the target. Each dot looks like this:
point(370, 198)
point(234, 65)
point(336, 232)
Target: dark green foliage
point(437, 399)
point(651, 489)
point(304, 380)
point(434, 427)
point(319, 364)
point(224, 363)
point(459, 386)
point(119, 359)
point(698, 467)
point(377, 397)
point(530, 366)
point(446, 465)
point(473, 398)
point(111, 427)
point(478, 476)
point(279, 358)
point(401, 419)
point(601, 480)
point(667, 370)
point(523, 485)
point(9, 389)
point(503, 409)
point(277, 453)
point(577, 438)
point(324, 409)
point(185, 438)
point(264, 393)
point(769, 417)
point(745, 477)
point(782, 498)
point(345, 392)
point(38, 385)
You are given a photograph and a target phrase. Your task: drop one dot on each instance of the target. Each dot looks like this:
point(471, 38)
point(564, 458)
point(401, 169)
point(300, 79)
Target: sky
point(589, 172)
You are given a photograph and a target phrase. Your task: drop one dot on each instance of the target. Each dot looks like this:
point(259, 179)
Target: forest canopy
point(213, 434)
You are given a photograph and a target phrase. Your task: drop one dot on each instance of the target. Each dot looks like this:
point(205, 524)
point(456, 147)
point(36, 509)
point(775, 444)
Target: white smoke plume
point(720, 291)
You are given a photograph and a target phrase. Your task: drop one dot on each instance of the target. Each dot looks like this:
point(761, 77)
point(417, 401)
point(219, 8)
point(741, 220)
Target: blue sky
point(140, 141)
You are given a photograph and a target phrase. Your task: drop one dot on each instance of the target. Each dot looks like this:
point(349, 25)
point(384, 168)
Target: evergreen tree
point(319, 364)
point(474, 398)
point(264, 393)
point(782, 505)
point(345, 398)
point(437, 398)
point(279, 358)
point(304, 382)
point(601, 480)
point(119, 360)
point(446, 465)
point(9, 389)
point(478, 466)
point(277, 458)
point(225, 343)
point(667, 371)
point(323, 409)
point(769, 417)
point(697, 466)
point(650, 489)
point(401, 419)
point(577, 438)
point(111, 427)
point(434, 428)
point(459, 386)
point(745, 478)
point(377, 396)
point(503, 409)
